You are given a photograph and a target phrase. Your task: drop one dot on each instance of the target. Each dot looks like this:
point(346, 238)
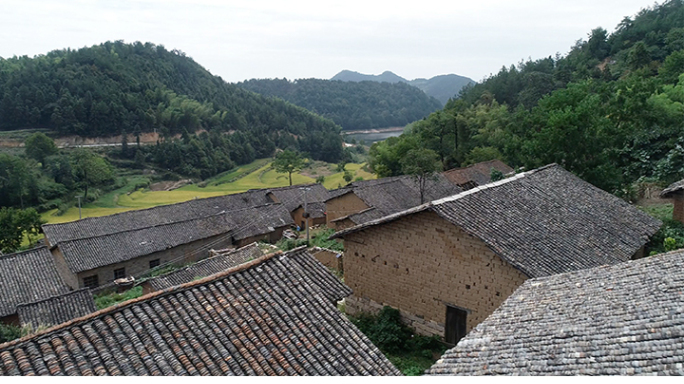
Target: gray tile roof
point(476, 174)
point(544, 221)
point(57, 309)
point(144, 218)
point(672, 189)
point(394, 194)
point(27, 277)
point(265, 317)
point(206, 267)
point(293, 196)
point(88, 253)
point(620, 320)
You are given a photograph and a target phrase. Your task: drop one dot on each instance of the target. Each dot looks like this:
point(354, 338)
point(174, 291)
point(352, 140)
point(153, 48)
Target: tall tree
point(288, 162)
point(422, 164)
point(38, 146)
point(14, 224)
point(90, 170)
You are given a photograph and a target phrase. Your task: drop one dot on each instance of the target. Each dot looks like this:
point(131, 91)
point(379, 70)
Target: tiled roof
point(206, 267)
point(27, 277)
point(88, 253)
point(476, 174)
point(395, 194)
point(144, 218)
point(543, 222)
point(293, 196)
point(672, 189)
point(57, 310)
point(620, 320)
point(265, 317)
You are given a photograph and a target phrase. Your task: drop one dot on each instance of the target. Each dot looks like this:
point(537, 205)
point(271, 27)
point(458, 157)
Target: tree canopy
point(610, 110)
point(288, 162)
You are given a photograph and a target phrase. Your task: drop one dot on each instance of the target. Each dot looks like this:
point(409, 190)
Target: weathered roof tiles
point(206, 267)
point(56, 310)
point(626, 319)
point(543, 222)
point(265, 317)
point(27, 277)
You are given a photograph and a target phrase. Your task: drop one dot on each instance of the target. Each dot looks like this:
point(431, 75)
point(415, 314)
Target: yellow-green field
point(255, 175)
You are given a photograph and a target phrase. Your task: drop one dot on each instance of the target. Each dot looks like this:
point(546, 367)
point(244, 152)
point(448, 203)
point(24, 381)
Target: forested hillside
point(442, 87)
point(114, 87)
point(353, 105)
point(611, 110)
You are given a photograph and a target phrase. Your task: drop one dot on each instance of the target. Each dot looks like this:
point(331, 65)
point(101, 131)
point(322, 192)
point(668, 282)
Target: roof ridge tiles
point(437, 202)
point(160, 225)
point(167, 291)
point(15, 254)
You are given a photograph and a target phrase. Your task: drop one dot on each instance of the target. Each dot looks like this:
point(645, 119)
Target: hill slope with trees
point(610, 110)
point(114, 87)
point(442, 87)
point(353, 105)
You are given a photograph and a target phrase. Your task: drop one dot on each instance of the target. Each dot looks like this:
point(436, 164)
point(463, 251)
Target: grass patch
point(108, 299)
point(318, 239)
point(412, 354)
point(661, 211)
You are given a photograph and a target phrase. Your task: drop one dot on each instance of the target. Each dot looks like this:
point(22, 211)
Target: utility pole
point(306, 214)
point(79, 206)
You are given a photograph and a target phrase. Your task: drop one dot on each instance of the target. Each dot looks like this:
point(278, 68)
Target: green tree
point(422, 164)
point(90, 170)
point(288, 162)
point(38, 146)
point(14, 224)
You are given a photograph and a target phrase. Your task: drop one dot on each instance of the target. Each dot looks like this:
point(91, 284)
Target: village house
point(676, 192)
point(448, 264)
point(220, 261)
point(94, 252)
point(57, 309)
point(477, 174)
point(363, 201)
point(625, 319)
point(270, 316)
point(295, 197)
point(26, 277)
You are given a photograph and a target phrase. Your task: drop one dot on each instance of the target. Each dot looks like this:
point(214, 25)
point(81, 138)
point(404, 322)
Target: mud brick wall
point(341, 206)
point(678, 212)
point(186, 253)
point(328, 258)
point(421, 263)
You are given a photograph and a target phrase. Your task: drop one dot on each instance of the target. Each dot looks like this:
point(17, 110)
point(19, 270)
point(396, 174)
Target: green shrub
point(108, 299)
point(9, 332)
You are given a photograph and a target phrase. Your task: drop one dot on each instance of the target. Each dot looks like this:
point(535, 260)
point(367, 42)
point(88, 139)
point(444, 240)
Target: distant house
point(26, 277)
point(294, 198)
point(270, 316)
point(367, 200)
point(57, 309)
point(221, 261)
point(477, 174)
point(96, 251)
point(626, 319)
point(450, 263)
point(676, 192)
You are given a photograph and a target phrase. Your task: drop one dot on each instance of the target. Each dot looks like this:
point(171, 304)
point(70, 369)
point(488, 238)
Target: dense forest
point(611, 110)
point(114, 87)
point(353, 105)
point(441, 87)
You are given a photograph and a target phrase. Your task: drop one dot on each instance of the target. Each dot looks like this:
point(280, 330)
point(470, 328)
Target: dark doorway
point(455, 326)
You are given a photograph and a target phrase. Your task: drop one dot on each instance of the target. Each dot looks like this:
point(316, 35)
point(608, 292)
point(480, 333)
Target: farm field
point(255, 175)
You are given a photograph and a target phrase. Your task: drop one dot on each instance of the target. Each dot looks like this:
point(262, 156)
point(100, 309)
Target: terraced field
point(255, 175)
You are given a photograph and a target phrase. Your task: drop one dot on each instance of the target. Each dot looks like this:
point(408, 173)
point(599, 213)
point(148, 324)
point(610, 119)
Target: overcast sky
point(304, 39)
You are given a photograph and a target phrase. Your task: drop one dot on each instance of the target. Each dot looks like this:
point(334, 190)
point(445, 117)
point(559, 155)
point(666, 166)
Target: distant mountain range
point(442, 87)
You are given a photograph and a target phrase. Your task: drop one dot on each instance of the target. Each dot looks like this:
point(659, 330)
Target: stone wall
point(421, 263)
point(341, 206)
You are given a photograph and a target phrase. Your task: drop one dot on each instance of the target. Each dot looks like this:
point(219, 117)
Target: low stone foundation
point(356, 305)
